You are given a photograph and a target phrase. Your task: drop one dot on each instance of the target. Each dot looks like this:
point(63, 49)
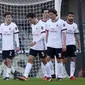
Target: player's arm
point(47, 31)
point(47, 35)
point(64, 37)
point(77, 38)
point(78, 41)
point(64, 40)
point(16, 34)
point(76, 34)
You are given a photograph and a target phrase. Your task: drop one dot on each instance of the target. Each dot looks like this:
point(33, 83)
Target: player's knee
point(48, 58)
point(5, 62)
point(73, 59)
point(44, 61)
point(8, 63)
point(64, 60)
point(30, 59)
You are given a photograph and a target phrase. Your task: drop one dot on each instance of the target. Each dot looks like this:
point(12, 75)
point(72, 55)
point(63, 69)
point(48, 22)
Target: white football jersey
point(55, 33)
point(37, 31)
point(7, 32)
point(71, 30)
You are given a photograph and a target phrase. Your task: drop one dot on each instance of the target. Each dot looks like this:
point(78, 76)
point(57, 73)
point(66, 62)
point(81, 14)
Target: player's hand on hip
point(32, 44)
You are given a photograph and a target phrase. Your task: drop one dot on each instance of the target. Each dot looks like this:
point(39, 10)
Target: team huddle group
point(53, 38)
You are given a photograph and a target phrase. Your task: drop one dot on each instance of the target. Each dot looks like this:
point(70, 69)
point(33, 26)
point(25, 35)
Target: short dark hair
point(7, 13)
point(43, 9)
point(70, 13)
point(32, 15)
point(53, 11)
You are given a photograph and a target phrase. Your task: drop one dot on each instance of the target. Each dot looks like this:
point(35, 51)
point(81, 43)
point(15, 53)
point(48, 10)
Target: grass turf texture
point(35, 81)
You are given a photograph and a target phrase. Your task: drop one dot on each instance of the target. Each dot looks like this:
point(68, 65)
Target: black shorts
point(70, 52)
point(54, 52)
point(40, 53)
point(8, 54)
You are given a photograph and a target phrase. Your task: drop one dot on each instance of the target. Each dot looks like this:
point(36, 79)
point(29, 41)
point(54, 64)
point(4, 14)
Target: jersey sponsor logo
point(6, 33)
point(70, 32)
point(35, 34)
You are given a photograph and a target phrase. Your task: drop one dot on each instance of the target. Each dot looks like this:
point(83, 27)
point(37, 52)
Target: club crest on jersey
point(57, 25)
point(42, 28)
point(16, 28)
point(64, 25)
point(9, 28)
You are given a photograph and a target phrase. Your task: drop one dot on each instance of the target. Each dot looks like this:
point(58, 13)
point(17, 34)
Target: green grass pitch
point(35, 81)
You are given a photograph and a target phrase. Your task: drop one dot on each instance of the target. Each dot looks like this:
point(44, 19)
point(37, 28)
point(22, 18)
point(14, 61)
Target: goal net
point(19, 9)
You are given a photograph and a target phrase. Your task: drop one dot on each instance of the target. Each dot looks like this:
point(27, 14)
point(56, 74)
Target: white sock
point(48, 70)
point(65, 74)
point(44, 69)
point(60, 70)
point(8, 71)
point(52, 67)
point(56, 68)
point(12, 69)
point(27, 69)
point(72, 68)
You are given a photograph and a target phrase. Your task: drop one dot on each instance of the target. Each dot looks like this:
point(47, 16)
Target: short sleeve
point(16, 29)
point(76, 29)
point(63, 26)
